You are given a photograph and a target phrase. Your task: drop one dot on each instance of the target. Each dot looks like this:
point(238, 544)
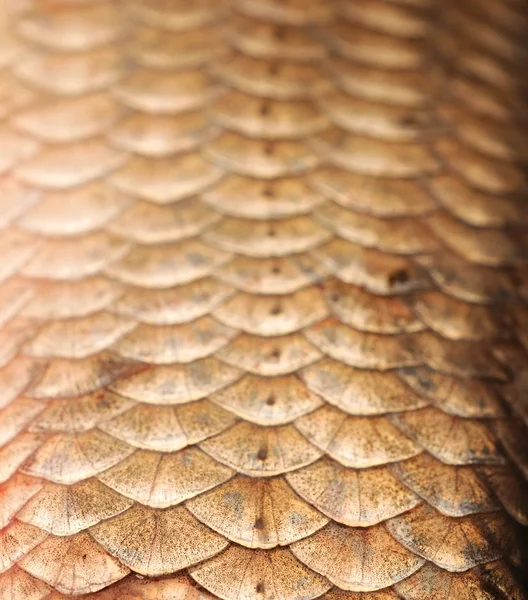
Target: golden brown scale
point(263, 297)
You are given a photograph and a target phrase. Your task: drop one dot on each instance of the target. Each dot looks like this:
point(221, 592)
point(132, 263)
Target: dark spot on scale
point(268, 191)
point(276, 270)
point(271, 231)
point(276, 309)
point(260, 588)
point(270, 400)
point(269, 148)
point(84, 556)
point(264, 109)
point(398, 277)
point(335, 297)
point(276, 354)
point(273, 68)
point(259, 523)
point(409, 120)
point(279, 33)
point(262, 454)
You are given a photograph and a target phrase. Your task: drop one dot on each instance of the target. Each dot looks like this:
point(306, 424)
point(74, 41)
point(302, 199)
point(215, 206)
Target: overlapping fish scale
point(363, 311)
point(81, 414)
point(16, 452)
point(260, 239)
point(71, 457)
point(268, 315)
point(372, 48)
point(409, 88)
point(360, 392)
point(350, 557)
point(161, 480)
point(68, 120)
point(243, 197)
point(69, 378)
point(260, 159)
point(512, 392)
point(451, 439)
point(164, 92)
point(157, 542)
point(259, 451)
point(458, 320)
point(72, 299)
point(71, 75)
point(267, 401)
point(160, 48)
point(470, 282)
point(362, 117)
point(78, 121)
point(15, 333)
point(151, 179)
point(74, 258)
point(160, 135)
point(474, 207)
point(15, 149)
point(16, 582)
point(176, 15)
point(370, 156)
point(172, 306)
point(474, 24)
point(84, 209)
point(59, 562)
point(510, 488)
point(78, 337)
point(459, 396)
point(16, 541)
point(431, 582)
point(352, 497)
point(167, 428)
point(65, 510)
point(269, 79)
point(487, 137)
point(149, 223)
point(483, 63)
point(16, 492)
point(274, 356)
point(255, 117)
point(264, 39)
point(257, 514)
point(18, 248)
point(77, 28)
point(165, 265)
point(175, 383)
point(356, 442)
point(454, 491)
point(377, 272)
point(395, 236)
point(159, 344)
point(268, 369)
point(16, 377)
point(18, 414)
point(466, 541)
point(17, 198)
point(291, 12)
point(275, 276)
point(271, 572)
